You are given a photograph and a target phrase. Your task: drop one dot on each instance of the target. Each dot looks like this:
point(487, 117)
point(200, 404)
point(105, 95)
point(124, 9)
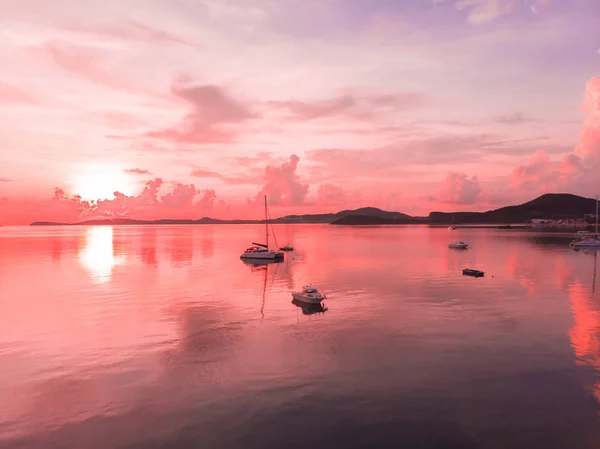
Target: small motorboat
point(458, 245)
point(286, 248)
point(474, 273)
point(586, 243)
point(308, 295)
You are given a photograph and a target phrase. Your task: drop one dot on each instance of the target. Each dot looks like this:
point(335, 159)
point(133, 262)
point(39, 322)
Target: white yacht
point(586, 243)
point(261, 251)
point(590, 242)
point(308, 295)
point(458, 245)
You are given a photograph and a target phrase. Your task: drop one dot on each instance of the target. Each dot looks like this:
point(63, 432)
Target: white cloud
point(485, 11)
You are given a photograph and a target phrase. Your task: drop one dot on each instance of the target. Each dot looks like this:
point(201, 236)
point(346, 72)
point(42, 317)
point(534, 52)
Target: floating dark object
point(475, 273)
point(286, 248)
point(505, 227)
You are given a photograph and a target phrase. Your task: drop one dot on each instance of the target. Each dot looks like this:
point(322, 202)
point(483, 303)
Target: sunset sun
point(99, 182)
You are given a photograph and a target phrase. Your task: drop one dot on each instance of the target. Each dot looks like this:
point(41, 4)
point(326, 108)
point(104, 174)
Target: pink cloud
point(259, 158)
point(412, 158)
point(282, 184)
point(458, 188)
point(578, 169)
point(5, 180)
point(538, 171)
point(213, 112)
point(352, 106)
point(129, 30)
point(182, 201)
point(516, 118)
point(207, 200)
point(13, 94)
point(137, 171)
point(331, 195)
point(588, 148)
point(201, 173)
point(182, 196)
point(484, 11)
point(86, 62)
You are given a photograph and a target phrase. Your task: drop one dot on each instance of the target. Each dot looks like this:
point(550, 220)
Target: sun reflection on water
point(98, 255)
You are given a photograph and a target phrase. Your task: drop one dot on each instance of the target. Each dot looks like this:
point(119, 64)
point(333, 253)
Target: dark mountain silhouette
point(358, 220)
point(551, 206)
point(307, 218)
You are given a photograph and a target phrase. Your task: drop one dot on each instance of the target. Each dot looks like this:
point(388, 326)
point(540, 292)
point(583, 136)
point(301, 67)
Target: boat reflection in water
point(262, 265)
point(309, 309)
point(591, 252)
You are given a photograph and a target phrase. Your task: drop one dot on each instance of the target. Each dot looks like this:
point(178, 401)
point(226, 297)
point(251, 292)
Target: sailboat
point(451, 227)
point(589, 242)
point(261, 251)
point(287, 247)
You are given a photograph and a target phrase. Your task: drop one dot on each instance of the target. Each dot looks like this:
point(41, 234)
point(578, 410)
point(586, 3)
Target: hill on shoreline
point(371, 212)
point(549, 206)
point(553, 206)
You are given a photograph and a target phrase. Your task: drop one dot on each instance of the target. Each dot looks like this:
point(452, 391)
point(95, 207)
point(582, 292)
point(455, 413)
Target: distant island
point(552, 206)
point(288, 219)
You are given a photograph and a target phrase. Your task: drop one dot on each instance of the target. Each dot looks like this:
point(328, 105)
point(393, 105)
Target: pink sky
point(192, 108)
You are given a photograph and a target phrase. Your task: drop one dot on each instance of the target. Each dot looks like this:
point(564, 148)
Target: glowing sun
point(99, 182)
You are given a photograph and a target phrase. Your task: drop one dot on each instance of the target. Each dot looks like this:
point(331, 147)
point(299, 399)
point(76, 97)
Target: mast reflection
point(262, 265)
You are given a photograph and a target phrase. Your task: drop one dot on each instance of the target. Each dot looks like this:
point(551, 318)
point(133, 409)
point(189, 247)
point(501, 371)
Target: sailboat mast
point(266, 223)
point(597, 197)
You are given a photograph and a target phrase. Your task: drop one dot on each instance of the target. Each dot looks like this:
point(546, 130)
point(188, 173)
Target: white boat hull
point(586, 244)
point(308, 298)
point(266, 255)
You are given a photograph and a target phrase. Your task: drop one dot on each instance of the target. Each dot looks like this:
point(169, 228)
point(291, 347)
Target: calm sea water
point(161, 337)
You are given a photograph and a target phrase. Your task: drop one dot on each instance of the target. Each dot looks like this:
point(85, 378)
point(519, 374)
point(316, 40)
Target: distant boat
point(590, 242)
point(586, 243)
point(458, 245)
point(308, 295)
point(505, 227)
point(451, 227)
point(261, 251)
point(474, 273)
point(287, 247)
